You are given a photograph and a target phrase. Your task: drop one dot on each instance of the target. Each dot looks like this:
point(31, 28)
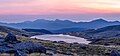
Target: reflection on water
point(61, 37)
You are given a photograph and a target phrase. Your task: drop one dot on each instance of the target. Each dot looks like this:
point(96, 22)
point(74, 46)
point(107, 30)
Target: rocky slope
point(107, 42)
point(6, 29)
point(16, 31)
point(105, 32)
point(10, 44)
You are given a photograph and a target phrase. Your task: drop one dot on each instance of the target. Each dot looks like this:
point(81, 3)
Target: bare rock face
point(11, 38)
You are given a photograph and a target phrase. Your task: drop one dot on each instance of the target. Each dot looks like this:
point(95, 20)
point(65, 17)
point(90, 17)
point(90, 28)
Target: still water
point(61, 37)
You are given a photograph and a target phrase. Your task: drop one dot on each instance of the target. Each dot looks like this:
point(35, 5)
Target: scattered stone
point(52, 51)
point(54, 41)
point(69, 54)
point(62, 42)
point(25, 35)
point(83, 47)
point(11, 51)
point(9, 46)
point(75, 43)
point(106, 44)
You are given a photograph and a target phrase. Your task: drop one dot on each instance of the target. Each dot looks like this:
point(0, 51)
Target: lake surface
point(61, 37)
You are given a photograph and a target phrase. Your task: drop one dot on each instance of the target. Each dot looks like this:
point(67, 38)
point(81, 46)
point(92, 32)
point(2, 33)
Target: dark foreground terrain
point(54, 48)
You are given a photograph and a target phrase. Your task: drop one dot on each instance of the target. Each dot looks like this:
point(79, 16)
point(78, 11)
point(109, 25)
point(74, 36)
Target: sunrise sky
point(75, 10)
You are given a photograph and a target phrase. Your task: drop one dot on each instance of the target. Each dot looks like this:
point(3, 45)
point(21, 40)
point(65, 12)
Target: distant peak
point(26, 21)
point(116, 21)
point(58, 20)
point(41, 20)
point(99, 20)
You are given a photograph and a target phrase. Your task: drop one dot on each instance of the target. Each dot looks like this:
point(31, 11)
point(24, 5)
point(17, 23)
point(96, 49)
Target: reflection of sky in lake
point(66, 38)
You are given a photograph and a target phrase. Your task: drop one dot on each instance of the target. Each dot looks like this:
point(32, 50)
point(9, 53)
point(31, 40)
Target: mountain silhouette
point(60, 24)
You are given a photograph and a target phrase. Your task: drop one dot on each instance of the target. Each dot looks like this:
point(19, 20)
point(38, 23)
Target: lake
point(61, 37)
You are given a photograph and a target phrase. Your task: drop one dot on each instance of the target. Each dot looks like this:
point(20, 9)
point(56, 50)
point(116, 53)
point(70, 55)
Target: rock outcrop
point(11, 38)
point(11, 44)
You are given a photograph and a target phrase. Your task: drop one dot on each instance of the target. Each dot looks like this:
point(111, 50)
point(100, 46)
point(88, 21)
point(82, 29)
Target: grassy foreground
point(72, 49)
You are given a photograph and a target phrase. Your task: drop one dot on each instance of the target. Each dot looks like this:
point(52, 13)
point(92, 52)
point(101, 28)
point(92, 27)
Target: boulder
point(20, 54)
point(31, 47)
point(114, 53)
point(11, 38)
point(11, 44)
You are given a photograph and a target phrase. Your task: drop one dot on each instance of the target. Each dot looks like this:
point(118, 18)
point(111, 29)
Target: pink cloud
point(41, 7)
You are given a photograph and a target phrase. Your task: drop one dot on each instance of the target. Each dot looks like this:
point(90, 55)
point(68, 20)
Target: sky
point(75, 10)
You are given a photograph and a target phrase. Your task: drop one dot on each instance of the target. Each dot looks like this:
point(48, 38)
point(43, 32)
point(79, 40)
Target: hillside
point(11, 30)
point(109, 31)
point(66, 30)
point(108, 28)
point(38, 31)
point(28, 32)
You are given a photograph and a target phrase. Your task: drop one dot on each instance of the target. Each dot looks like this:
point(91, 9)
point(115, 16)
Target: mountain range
point(100, 33)
point(61, 24)
point(104, 32)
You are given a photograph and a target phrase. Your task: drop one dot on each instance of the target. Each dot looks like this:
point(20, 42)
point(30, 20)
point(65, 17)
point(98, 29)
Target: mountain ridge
point(60, 24)
point(106, 32)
